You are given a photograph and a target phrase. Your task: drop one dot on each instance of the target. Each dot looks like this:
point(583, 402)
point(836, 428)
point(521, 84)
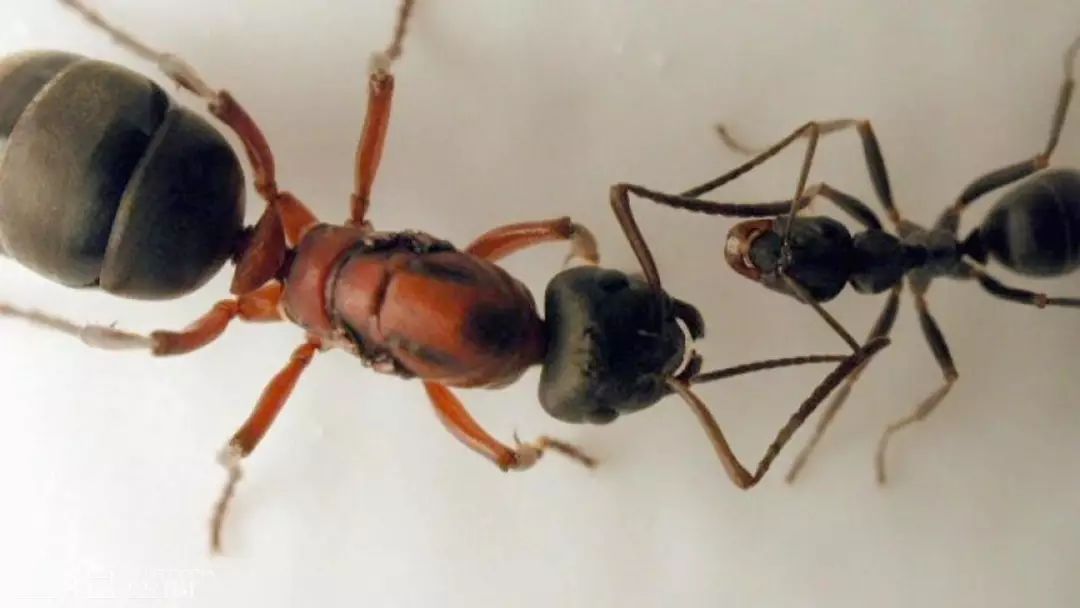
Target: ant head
point(612, 344)
point(740, 241)
point(819, 260)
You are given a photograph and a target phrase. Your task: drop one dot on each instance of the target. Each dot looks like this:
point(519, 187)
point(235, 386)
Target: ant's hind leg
point(941, 352)
point(1015, 172)
point(295, 217)
point(1000, 290)
point(258, 306)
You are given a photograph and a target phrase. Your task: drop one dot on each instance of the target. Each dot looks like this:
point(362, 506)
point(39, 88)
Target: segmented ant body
point(151, 204)
point(1034, 230)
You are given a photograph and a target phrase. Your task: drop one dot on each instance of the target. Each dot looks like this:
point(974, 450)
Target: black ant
point(1034, 230)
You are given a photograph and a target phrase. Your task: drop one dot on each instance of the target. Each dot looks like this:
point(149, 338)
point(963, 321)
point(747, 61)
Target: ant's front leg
point(620, 204)
point(739, 475)
point(500, 242)
point(457, 420)
point(492, 246)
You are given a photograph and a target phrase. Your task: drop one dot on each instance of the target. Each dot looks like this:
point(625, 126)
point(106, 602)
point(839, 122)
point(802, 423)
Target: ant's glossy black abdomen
point(1035, 228)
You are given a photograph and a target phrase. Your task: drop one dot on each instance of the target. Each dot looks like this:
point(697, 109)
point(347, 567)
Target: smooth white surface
point(508, 111)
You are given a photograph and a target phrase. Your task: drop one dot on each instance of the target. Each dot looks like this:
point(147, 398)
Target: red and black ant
point(157, 209)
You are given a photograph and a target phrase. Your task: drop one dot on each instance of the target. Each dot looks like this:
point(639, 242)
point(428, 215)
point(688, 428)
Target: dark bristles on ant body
point(1033, 230)
point(158, 210)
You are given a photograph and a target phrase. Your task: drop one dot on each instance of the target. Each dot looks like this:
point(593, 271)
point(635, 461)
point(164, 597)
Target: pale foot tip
point(229, 457)
point(583, 246)
point(379, 64)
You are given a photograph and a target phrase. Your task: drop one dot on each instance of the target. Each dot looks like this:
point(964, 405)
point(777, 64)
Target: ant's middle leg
point(881, 329)
point(941, 353)
point(248, 436)
point(999, 178)
point(875, 160)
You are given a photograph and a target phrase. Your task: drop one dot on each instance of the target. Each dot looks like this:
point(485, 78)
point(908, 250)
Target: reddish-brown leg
point(245, 439)
point(462, 425)
point(294, 217)
point(496, 244)
point(372, 139)
point(377, 118)
point(260, 305)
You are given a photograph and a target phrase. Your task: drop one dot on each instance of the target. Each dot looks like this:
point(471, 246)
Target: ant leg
point(875, 161)
point(1002, 177)
point(372, 138)
point(785, 245)
point(1022, 296)
point(688, 201)
point(500, 242)
point(941, 352)
point(855, 208)
point(258, 306)
point(247, 437)
point(377, 119)
point(295, 218)
point(620, 203)
point(757, 366)
point(881, 329)
point(458, 421)
point(825, 127)
point(739, 475)
point(762, 156)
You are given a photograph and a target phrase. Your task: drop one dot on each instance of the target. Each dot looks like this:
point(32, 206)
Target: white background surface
point(508, 111)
